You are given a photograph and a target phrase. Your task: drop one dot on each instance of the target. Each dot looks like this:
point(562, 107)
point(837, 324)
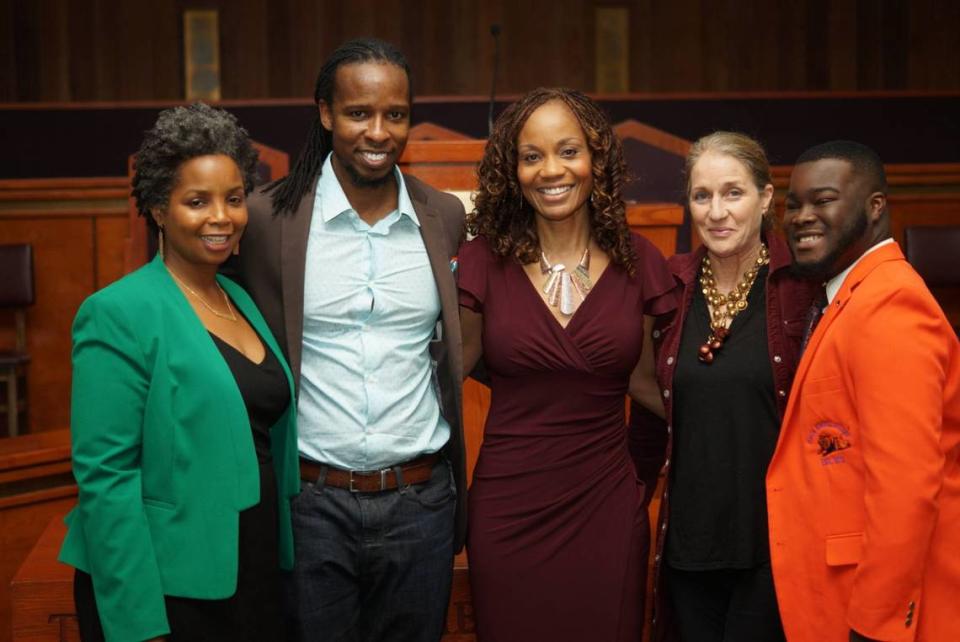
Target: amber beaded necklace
point(726, 306)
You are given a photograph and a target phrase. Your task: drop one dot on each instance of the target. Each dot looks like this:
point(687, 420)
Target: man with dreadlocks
point(352, 264)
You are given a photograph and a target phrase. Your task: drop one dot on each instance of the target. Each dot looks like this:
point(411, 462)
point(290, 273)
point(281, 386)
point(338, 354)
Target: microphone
point(495, 32)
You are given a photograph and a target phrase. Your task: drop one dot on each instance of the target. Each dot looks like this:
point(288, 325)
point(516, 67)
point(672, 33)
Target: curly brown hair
point(505, 218)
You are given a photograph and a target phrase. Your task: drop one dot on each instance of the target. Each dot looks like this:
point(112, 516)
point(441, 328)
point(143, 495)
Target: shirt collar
point(833, 285)
point(334, 201)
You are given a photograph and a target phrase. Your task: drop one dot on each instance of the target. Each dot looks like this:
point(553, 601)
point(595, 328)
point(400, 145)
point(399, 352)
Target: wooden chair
point(16, 293)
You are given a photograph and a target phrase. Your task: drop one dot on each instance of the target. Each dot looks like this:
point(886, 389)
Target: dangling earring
point(520, 201)
point(160, 242)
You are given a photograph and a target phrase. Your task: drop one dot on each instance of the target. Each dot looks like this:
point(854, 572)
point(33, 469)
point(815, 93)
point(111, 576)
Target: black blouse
point(725, 431)
point(264, 389)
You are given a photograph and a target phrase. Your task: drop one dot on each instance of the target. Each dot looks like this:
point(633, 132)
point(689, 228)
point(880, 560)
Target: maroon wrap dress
point(558, 533)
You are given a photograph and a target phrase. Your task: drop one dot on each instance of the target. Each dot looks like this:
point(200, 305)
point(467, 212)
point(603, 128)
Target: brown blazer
point(271, 266)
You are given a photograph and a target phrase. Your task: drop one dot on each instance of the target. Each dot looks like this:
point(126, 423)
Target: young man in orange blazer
point(864, 488)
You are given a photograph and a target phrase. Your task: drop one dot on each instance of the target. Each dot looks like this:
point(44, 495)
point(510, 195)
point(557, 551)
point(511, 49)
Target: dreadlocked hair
point(507, 220)
point(286, 193)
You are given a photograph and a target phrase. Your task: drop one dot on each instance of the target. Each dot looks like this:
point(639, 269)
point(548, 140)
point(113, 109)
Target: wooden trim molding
point(654, 214)
point(431, 131)
point(652, 136)
point(919, 175)
point(63, 189)
point(443, 151)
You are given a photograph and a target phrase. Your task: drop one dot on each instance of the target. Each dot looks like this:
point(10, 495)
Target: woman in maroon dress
point(558, 298)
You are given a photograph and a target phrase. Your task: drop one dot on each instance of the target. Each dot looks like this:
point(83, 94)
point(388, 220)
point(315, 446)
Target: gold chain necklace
point(231, 316)
point(726, 306)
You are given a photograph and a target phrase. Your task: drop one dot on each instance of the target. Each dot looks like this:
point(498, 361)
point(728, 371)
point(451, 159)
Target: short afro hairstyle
point(864, 160)
point(180, 134)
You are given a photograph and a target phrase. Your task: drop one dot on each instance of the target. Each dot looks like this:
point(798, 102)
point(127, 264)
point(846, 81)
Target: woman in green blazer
point(183, 426)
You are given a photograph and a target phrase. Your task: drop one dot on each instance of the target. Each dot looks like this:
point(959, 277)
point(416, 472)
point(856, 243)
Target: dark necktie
point(813, 318)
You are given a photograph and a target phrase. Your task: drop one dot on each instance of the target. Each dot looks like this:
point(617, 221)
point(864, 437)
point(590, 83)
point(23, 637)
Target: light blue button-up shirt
point(368, 397)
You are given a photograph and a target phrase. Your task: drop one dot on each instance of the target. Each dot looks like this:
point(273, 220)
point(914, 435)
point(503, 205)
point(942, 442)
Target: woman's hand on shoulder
point(643, 387)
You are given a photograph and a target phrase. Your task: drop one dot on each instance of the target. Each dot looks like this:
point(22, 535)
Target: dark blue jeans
point(373, 567)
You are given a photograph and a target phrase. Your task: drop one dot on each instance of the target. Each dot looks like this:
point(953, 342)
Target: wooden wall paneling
point(156, 46)
point(658, 222)
point(278, 71)
point(84, 47)
point(907, 209)
point(444, 164)
point(430, 131)
point(869, 43)
point(115, 50)
point(643, 56)
point(110, 234)
point(934, 178)
point(719, 45)
point(310, 46)
point(544, 44)
point(753, 68)
point(64, 274)
point(465, 32)
point(8, 57)
point(932, 57)
point(53, 49)
point(895, 32)
point(834, 41)
point(26, 62)
point(677, 45)
point(791, 50)
point(42, 592)
point(245, 68)
point(76, 229)
point(36, 486)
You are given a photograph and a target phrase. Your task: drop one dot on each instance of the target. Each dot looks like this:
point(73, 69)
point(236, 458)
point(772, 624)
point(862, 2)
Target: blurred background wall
point(122, 50)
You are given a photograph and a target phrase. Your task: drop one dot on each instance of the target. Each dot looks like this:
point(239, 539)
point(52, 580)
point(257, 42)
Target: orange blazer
point(863, 490)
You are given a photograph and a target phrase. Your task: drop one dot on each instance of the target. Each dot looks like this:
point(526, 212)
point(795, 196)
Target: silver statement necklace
point(566, 290)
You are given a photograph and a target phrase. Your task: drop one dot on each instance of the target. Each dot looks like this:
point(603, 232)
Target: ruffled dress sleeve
point(661, 291)
point(473, 262)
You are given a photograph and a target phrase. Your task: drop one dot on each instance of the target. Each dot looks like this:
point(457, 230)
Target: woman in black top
point(724, 366)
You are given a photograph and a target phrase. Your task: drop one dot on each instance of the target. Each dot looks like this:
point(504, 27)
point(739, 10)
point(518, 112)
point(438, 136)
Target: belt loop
point(398, 472)
point(321, 479)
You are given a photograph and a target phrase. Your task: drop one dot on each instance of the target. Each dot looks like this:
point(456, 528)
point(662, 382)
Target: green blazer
point(163, 453)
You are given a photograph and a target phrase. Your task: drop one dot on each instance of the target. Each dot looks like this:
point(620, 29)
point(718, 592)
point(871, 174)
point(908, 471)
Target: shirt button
point(656, 334)
point(669, 429)
point(669, 361)
point(666, 393)
point(782, 393)
point(777, 358)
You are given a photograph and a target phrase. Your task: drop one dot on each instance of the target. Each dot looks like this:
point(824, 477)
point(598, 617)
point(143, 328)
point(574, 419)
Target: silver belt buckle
point(383, 479)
